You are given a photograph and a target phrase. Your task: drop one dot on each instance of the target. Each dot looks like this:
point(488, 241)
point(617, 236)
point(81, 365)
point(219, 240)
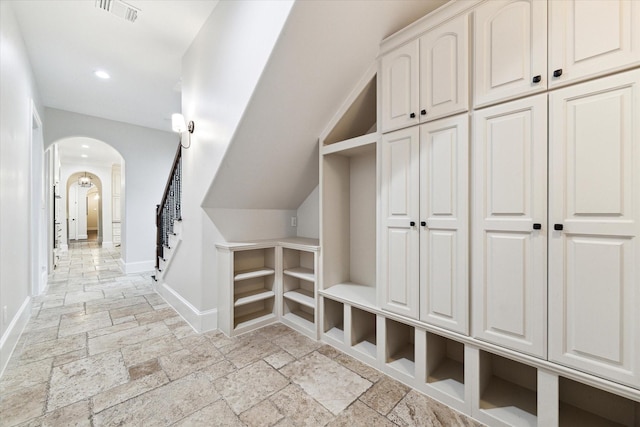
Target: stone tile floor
point(103, 349)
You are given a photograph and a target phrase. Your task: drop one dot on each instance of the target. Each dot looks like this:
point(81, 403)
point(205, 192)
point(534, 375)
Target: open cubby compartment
point(299, 290)
point(253, 315)
point(253, 263)
point(508, 390)
point(348, 215)
point(298, 263)
point(300, 316)
point(445, 366)
point(583, 405)
point(363, 333)
point(333, 326)
point(253, 289)
point(400, 347)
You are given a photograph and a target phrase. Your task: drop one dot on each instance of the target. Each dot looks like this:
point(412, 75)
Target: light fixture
point(179, 126)
point(84, 181)
point(102, 74)
point(84, 156)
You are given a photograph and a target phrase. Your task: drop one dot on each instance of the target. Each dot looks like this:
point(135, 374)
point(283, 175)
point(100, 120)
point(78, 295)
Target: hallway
point(103, 349)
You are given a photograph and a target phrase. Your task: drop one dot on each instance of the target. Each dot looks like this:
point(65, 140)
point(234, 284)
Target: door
point(509, 268)
point(73, 212)
point(590, 37)
point(594, 249)
point(399, 71)
point(510, 49)
point(444, 81)
point(400, 213)
point(444, 223)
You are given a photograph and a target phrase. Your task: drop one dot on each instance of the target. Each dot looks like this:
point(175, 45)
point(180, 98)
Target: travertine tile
point(23, 376)
point(113, 329)
point(296, 344)
point(279, 359)
point(127, 337)
point(250, 351)
point(47, 349)
point(82, 296)
point(70, 357)
point(41, 335)
point(384, 395)
point(331, 384)
point(72, 324)
point(330, 352)
point(143, 369)
point(417, 409)
point(23, 405)
point(218, 369)
point(130, 310)
point(264, 414)
point(155, 316)
point(219, 339)
point(137, 353)
point(250, 385)
point(359, 367)
point(112, 303)
point(360, 414)
point(299, 408)
point(123, 392)
point(197, 354)
point(217, 414)
point(84, 378)
point(187, 395)
point(75, 415)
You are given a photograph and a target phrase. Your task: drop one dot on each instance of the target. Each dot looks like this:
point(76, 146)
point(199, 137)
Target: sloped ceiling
point(323, 51)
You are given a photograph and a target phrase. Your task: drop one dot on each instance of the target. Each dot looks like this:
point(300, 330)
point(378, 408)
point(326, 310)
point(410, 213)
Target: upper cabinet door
point(594, 259)
point(399, 71)
point(509, 263)
point(400, 216)
point(592, 37)
point(510, 50)
point(444, 63)
point(444, 223)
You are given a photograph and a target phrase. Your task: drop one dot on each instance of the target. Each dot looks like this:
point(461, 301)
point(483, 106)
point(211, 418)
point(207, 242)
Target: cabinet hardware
point(412, 223)
point(558, 227)
point(412, 115)
point(423, 112)
point(557, 73)
point(537, 226)
point(423, 223)
point(537, 79)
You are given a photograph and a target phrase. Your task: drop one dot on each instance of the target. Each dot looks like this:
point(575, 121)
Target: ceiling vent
point(119, 8)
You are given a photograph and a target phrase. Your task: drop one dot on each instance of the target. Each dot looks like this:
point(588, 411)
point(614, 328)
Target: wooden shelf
point(253, 273)
point(301, 296)
point(353, 146)
point(352, 293)
point(301, 273)
point(253, 319)
point(252, 296)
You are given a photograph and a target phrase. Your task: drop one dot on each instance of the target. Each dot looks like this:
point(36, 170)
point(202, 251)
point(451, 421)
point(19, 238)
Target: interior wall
point(17, 92)
point(148, 155)
point(219, 73)
point(309, 216)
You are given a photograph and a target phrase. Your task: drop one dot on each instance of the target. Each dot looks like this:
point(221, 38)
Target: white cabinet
point(592, 37)
point(426, 78)
point(594, 246)
point(425, 230)
point(509, 225)
point(510, 49)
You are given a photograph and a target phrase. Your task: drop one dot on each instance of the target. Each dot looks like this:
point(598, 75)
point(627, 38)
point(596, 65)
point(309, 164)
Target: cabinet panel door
point(444, 201)
point(591, 37)
point(594, 262)
point(509, 285)
point(400, 207)
point(444, 62)
point(510, 49)
point(399, 71)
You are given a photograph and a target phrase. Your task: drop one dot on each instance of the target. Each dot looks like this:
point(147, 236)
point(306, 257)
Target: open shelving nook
point(445, 366)
point(334, 320)
point(364, 333)
point(582, 405)
point(508, 391)
point(400, 348)
point(299, 289)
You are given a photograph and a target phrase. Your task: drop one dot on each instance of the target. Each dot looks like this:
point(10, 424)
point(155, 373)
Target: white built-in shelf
point(570, 416)
point(301, 273)
point(352, 293)
point(510, 403)
point(253, 319)
point(403, 360)
point(253, 273)
point(300, 318)
point(353, 146)
point(252, 296)
point(367, 347)
point(301, 296)
point(448, 377)
point(336, 334)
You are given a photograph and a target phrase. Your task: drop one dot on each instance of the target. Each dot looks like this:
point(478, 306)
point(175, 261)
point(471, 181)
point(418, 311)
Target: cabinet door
point(510, 49)
point(594, 262)
point(399, 71)
point(444, 201)
point(400, 209)
point(509, 268)
point(444, 81)
point(591, 37)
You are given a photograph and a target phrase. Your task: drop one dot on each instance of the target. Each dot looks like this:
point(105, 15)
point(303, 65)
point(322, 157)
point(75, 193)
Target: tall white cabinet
point(594, 243)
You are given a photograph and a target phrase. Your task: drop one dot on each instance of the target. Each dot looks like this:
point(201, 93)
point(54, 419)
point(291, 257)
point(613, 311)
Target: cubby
point(445, 366)
point(400, 347)
point(364, 332)
point(508, 390)
point(334, 320)
point(582, 405)
point(299, 289)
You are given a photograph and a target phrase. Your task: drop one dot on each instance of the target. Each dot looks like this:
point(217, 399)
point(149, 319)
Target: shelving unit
point(445, 366)
point(333, 327)
point(400, 348)
point(299, 289)
point(508, 391)
point(364, 333)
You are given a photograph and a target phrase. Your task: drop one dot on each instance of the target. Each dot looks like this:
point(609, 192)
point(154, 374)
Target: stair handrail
point(170, 209)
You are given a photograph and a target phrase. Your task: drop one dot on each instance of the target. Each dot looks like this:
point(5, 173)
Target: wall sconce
point(179, 126)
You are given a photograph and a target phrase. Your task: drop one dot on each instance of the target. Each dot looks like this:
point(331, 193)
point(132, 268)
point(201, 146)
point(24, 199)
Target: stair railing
point(170, 209)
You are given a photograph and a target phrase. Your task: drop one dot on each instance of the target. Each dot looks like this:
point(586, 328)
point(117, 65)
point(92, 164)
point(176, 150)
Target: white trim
point(64, 247)
point(200, 321)
point(107, 245)
point(12, 334)
point(136, 267)
point(82, 237)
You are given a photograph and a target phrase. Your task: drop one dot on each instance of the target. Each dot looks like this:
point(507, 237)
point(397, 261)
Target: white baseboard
point(82, 237)
point(200, 321)
point(136, 267)
point(107, 245)
point(12, 334)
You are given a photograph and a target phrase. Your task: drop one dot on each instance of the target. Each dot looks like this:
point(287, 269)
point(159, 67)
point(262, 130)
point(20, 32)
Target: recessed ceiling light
point(102, 74)
point(85, 146)
point(84, 155)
